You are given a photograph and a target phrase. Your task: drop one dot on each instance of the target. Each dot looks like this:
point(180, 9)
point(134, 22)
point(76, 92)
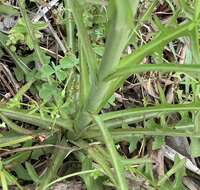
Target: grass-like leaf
point(69, 176)
point(3, 181)
point(117, 37)
point(56, 161)
point(45, 122)
point(32, 172)
point(163, 108)
point(105, 166)
point(157, 43)
point(8, 10)
point(115, 159)
point(14, 127)
point(177, 166)
point(189, 69)
point(31, 32)
point(84, 39)
point(122, 134)
point(12, 140)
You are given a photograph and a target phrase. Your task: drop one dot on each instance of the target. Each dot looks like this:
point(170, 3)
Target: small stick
point(43, 11)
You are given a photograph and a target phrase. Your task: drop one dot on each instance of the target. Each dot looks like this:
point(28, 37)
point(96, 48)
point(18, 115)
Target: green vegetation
point(65, 107)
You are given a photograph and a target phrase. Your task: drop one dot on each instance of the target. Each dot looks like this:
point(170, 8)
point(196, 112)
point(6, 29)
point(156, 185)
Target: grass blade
point(22, 91)
point(189, 69)
point(116, 161)
point(9, 141)
point(84, 38)
point(31, 32)
point(57, 158)
point(123, 134)
point(119, 29)
point(90, 182)
point(45, 122)
point(3, 181)
point(8, 10)
point(69, 176)
point(70, 26)
point(135, 161)
point(118, 32)
point(105, 166)
point(177, 166)
point(159, 41)
point(116, 122)
point(14, 127)
point(13, 180)
point(32, 172)
point(164, 108)
point(84, 79)
point(135, 58)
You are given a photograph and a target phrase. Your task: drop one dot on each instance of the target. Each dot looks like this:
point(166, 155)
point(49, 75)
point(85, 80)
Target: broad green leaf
point(158, 142)
point(18, 74)
point(19, 157)
point(61, 75)
point(47, 91)
point(35, 155)
point(88, 62)
point(12, 180)
point(68, 61)
point(46, 71)
point(110, 102)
